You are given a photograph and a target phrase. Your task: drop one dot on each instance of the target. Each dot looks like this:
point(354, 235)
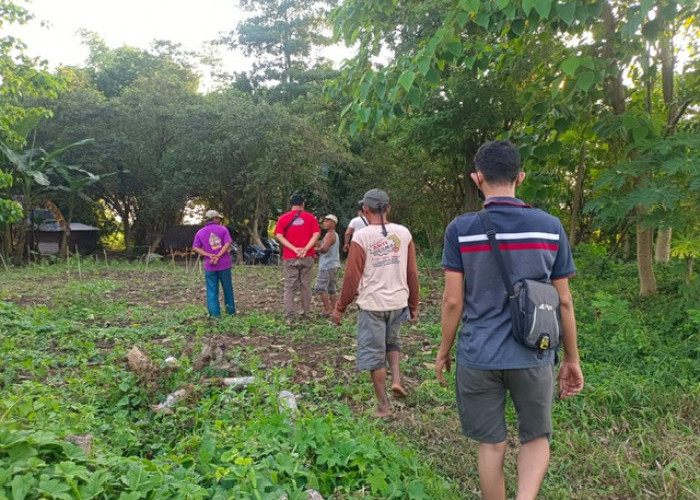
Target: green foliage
point(662, 177)
point(279, 37)
point(631, 429)
point(64, 372)
point(10, 211)
point(20, 77)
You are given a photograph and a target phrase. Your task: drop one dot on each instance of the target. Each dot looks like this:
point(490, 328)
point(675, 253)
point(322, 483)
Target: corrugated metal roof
point(53, 226)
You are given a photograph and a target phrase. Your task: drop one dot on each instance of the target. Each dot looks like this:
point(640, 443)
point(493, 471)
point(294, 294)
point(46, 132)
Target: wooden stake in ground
point(77, 256)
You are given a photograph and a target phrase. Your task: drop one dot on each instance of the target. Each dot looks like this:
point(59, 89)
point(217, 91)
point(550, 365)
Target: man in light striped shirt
point(490, 363)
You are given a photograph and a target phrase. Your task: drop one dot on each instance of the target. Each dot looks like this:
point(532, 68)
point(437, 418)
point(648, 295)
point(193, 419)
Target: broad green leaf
point(54, 488)
point(70, 470)
point(567, 11)
point(543, 8)
point(502, 4)
point(570, 65)
point(21, 486)
point(640, 133)
point(587, 62)
point(652, 29)
point(433, 76)
point(463, 18)
point(378, 117)
point(416, 490)
point(469, 5)
point(365, 114)
point(364, 90)
point(377, 481)
point(510, 11)
point(630, 121)
point(518, 26)
point(436, 40)
point(94, 485)
point(556, 83)
point(132, 495)
point(21, 451)
point(380, 90)
point(455, 48)
point(406, 79)
point(562, 124)
point(585, 79)
point(527, 6)
point(207, 450)
point(423, 65)
point(414, 97)
point(483, 19)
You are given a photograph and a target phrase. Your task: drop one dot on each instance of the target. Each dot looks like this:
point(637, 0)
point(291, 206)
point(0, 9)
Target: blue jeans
point(213, 278)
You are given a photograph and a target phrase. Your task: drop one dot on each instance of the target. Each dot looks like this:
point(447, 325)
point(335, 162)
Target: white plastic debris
point(170, 400)
point(238, 381)
point(287, 403)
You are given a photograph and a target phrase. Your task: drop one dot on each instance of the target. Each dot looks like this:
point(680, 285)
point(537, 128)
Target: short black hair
point(296, 199)
point(498, 162)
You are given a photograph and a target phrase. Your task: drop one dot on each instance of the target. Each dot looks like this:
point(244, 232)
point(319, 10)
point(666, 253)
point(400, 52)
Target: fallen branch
point(213, 351)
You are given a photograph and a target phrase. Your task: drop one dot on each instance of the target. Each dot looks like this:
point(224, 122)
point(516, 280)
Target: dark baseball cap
point(375, 199)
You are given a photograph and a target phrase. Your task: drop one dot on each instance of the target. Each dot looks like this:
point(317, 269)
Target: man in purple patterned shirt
point(213, 242)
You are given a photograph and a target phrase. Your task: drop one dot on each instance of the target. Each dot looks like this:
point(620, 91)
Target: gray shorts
point(481, 401)
point(377, 334)
point(326, 281)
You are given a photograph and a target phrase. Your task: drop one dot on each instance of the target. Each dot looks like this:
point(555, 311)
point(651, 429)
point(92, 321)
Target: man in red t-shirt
point(297, 231)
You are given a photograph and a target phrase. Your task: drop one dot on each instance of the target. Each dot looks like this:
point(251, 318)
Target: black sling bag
point(534, 305)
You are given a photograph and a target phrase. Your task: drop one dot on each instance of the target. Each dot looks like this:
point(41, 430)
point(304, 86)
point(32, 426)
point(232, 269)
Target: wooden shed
point(49, 235)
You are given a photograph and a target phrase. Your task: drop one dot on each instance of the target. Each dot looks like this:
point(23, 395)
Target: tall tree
point(280, 36)
point(20, 77)
point(608, 37)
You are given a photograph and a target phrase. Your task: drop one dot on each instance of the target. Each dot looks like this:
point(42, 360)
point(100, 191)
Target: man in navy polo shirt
point(489, 361)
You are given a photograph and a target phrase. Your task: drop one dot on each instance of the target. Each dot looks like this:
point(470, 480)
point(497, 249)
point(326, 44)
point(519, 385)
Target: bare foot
point(382, 412)
point(398, 391)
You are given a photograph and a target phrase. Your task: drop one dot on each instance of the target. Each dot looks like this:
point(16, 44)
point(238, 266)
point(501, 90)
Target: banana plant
point(29, 168)
point(74, 181)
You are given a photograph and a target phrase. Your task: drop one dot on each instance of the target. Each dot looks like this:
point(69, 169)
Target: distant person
point(213, 242)
point(489, 360)
point(328, 265)
point(355, 224)
point(297, 231)
point(381, 269)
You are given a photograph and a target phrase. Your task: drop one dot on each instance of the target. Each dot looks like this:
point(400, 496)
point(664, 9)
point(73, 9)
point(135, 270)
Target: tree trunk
point(645, 242)
point(155, 242)
point(662, 252)
point(6, 239)
point(578, 196)
point(63, 253)
point(668, 63)
point(626, 247)
point(18, 251)
point(255, 223)
point(615, 96)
